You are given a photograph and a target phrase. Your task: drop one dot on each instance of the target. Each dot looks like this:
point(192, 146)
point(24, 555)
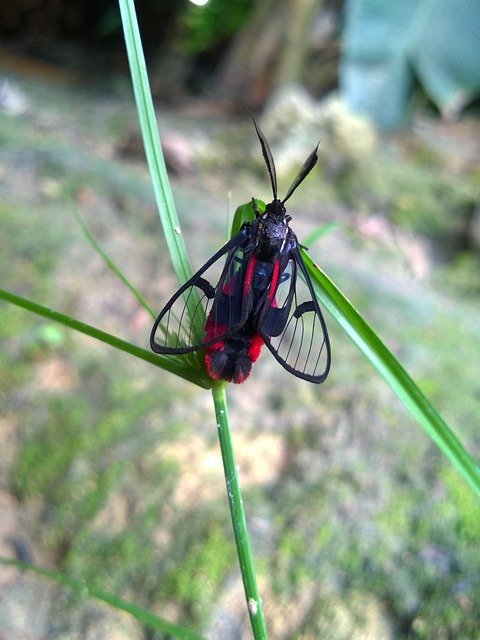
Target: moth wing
point(198, 302)
point(293, 327)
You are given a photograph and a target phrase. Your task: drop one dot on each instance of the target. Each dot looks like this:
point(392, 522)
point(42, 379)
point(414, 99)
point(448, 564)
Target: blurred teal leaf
point(389, 44)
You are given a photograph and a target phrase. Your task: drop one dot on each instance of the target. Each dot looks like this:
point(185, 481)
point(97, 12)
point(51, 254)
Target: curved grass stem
point(156, 163)
point(165, 362)
point(237, 511)
point(394, 375)
point(81, 587)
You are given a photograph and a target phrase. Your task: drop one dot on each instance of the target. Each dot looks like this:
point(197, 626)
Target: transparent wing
point(198, 302)
point(293, 327)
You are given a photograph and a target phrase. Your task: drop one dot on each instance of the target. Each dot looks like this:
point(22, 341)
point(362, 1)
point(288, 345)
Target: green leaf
point(393, 373)
point(151, 140)
point(245, 213)
point(174, 365)
point(81, 587)
point(389, 45)
point(156, 163)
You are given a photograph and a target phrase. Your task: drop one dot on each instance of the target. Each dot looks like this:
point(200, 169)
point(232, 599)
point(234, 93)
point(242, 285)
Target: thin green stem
point(165, 362)
point(111, 264)
point(80, 586)
point(153, 150)
point(237, 511)
point(394, 374)
point(156, 163)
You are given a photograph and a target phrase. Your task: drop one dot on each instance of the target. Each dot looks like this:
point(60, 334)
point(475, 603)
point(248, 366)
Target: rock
point(177, 151)
point(12, 99)
point(293, 121)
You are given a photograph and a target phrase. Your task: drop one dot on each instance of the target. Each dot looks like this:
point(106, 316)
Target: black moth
point(264, 295)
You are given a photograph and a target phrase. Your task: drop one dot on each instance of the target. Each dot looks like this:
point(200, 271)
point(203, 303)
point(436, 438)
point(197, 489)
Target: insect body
point(264, 295)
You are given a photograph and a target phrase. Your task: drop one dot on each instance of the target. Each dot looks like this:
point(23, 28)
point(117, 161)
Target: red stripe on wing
point(274, 282)
point(249, 276)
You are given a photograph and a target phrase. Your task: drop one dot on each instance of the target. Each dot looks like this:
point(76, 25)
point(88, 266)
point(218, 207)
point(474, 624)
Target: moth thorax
point(270, 241)
point(267, 252)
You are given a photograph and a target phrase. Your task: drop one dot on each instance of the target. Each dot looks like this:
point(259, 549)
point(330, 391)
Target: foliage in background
point(206, 27)
point(387, 45)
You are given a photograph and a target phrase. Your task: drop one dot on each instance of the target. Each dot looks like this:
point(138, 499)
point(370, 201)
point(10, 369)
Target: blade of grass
point(156, 163)
point(139, 613)
point(106, 258)
point(244, 213)
point(394, 374)
point(318, 233)
point(168, 363)
point(151, 139)
point(237, 511)
point(180, 262)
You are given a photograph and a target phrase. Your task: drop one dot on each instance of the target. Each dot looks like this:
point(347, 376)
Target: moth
point(263, 296)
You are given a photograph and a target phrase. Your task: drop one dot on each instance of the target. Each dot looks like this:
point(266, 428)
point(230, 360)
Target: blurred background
point(109, 468)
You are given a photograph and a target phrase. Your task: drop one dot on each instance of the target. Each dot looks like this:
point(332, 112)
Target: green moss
point(462, 274)
point(395, 519)
point(202, 560)
point(465, 504)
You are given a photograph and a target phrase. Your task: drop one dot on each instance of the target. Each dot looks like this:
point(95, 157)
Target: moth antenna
point(267, 155)
point(305, 169)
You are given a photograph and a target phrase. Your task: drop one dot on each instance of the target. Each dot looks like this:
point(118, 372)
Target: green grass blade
point(168, 363)
point(156, 163)
point(153, 150)
point(244, 213)
point(394, 374)
point(139, 613)
point(106, 258)
point(244, 552)
point(318, 233)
